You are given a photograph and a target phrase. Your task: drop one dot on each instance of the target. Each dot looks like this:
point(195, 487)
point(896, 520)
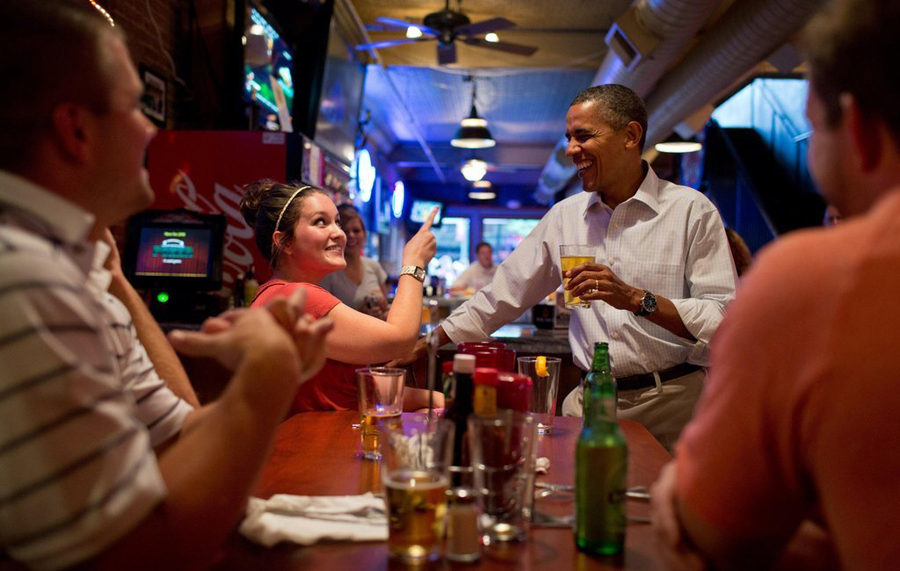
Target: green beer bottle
point(601, 466)
point(600, 373)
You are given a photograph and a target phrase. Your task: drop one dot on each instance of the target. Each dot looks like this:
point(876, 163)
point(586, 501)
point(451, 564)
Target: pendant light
point(473, 132)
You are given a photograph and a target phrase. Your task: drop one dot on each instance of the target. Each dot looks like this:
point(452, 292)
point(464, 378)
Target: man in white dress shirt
point(660, 282)
point(479, 273)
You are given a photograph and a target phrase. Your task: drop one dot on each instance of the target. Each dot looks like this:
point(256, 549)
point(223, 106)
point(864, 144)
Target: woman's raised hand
point(421, 248)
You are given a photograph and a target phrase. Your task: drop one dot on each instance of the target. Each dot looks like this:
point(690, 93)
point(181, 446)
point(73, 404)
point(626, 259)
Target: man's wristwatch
point(648, 305)
point(414, 271)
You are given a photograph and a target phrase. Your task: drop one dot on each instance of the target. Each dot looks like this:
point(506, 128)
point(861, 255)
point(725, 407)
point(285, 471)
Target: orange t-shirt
point(334, 387)
point(799, 413)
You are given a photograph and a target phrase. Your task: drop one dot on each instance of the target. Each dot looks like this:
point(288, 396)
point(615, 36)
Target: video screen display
point(174, 252)
point(420, 210)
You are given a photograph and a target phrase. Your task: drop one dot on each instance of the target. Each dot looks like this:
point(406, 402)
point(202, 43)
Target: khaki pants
point(664, 409)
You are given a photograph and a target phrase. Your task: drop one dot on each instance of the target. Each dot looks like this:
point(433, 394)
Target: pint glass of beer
point(571, 255)
point(380, 404)
point(416, 457)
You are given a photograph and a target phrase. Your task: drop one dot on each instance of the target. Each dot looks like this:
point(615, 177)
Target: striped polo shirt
point(81, 405)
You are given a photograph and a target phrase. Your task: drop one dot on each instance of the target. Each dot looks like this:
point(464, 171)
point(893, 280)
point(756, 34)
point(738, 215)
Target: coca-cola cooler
point(204, 171)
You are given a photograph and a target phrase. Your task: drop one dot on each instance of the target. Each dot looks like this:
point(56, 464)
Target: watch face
point(648, 303)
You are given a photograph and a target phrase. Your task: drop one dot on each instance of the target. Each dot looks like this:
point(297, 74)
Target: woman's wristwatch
point(414, 271)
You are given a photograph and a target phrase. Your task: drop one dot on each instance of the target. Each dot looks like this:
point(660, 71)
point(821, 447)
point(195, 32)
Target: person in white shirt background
point(661, 279)
point(479, 273)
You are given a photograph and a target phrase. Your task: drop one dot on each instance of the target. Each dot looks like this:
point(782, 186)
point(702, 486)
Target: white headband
point(288, 203)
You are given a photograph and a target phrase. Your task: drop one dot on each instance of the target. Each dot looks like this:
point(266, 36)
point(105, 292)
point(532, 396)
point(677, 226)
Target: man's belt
point(646, 380)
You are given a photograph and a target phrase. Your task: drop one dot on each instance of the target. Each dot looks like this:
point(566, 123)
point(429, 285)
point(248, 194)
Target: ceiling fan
point(447, 26)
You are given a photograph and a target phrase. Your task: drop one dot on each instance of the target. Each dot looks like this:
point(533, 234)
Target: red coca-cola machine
point(204, 171)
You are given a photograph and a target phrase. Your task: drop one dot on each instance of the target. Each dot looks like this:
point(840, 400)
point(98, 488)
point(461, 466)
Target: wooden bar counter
point(315, 454)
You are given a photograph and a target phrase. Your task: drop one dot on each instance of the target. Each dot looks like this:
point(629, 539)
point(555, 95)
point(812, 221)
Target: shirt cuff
point(701, 318)
point(460, 328)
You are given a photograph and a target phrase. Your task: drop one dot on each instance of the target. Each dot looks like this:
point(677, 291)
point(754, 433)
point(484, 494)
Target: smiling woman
point(299, 229)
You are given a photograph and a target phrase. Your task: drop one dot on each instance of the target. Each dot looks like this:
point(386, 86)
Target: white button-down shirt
point(667, 239)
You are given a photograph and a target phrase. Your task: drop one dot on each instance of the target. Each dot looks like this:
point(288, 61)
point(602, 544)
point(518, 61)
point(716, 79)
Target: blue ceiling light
point(365, 175)
point(397, 199)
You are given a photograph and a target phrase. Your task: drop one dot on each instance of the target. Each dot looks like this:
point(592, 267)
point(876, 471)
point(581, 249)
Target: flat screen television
point(420, 209)
point(178, 250)
point(268, 80)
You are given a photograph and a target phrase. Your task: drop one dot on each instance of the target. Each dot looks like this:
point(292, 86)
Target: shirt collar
point(61, 219)
point(647, 192)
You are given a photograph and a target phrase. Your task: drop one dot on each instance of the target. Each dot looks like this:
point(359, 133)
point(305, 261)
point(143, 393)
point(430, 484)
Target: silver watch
point(648, 305)
point(414, 271)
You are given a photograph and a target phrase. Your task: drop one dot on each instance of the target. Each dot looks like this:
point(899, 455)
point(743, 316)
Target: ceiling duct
point(744, 36)
point(673, 24)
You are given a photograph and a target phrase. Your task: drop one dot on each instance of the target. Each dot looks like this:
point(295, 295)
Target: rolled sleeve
point(711, 280)
point(526, 277)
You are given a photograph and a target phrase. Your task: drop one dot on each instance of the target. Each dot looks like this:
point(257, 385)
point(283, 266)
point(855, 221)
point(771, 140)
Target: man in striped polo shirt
point(82, 406)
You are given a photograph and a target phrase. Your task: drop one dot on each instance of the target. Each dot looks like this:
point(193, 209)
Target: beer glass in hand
point(571, 255)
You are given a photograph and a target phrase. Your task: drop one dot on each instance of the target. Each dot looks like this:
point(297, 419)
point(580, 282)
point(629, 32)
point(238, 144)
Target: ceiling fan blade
point(404, 24)
point(517, 49)
point(389, 43)
point(483, 27)
point(446, 53)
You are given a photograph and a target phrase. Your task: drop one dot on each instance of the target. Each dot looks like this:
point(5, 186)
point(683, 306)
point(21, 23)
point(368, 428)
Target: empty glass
point(544, 375)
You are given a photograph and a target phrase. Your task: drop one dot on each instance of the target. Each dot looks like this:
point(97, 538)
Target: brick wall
point(136, 18)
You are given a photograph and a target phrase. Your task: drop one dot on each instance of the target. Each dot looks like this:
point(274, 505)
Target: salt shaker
point(463, 537)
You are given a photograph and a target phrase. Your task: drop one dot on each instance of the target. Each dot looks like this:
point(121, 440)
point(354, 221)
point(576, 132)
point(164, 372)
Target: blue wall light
point(397, 199)
point(365, 175)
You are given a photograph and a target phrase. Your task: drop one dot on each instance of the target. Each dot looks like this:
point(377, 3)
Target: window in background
point(452, 255)
point(504, 234)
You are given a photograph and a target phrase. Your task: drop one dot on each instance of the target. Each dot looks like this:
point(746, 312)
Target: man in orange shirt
point(791, 458)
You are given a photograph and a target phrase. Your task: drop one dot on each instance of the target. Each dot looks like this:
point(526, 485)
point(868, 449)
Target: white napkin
point(308, 519)
point(542, 465)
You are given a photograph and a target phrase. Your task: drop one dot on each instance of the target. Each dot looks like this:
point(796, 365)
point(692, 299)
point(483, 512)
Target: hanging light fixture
point(473, 132)
point(482, 195)
point(482, 184)
point(676, 144)
point(473, 170)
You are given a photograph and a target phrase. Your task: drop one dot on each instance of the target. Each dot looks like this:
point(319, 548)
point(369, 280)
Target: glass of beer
point(380, 398)
point(416, 456)
point(571, 255)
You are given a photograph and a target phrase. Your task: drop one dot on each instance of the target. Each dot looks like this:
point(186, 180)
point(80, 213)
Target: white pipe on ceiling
point(675, 22)
point(746, 34)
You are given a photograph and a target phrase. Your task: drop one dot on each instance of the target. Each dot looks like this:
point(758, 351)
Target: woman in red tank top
point(298, 230)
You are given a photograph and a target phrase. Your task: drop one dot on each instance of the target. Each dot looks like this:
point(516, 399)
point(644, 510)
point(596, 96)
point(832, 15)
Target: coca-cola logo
point(236, 253)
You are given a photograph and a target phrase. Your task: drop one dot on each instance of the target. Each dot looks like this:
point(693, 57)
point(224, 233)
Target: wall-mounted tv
point(420, 209)
point(268, 80)
point(175, 249)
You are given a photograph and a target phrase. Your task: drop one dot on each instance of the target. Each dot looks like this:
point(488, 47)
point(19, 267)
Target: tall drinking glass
point(416, 456)
point(380, 398)
point(503, 454)
point(571, 255)
point(544, 375)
